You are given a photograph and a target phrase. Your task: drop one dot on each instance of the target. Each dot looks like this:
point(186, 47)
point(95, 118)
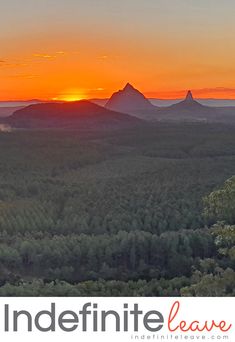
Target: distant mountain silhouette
point(191, 110)
point(129, 100)
point(189, 97)
point(125, 108)
point(7, 111)
point(80, 114)
point(100, 102)
point(188, 105)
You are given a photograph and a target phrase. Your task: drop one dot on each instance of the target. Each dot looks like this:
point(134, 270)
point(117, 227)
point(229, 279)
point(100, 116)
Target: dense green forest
point(142, 212)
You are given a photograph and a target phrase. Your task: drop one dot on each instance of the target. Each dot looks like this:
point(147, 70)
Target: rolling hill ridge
point(79, 114)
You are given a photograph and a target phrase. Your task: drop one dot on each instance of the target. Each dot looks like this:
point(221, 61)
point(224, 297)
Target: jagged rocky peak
point(129, 87)
point(189, 96)
point(128, 100)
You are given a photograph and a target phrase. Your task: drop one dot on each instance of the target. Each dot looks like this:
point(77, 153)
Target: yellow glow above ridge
point(71, 96)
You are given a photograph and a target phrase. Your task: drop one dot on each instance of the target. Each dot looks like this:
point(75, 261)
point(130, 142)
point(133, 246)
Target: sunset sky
point(73, 49)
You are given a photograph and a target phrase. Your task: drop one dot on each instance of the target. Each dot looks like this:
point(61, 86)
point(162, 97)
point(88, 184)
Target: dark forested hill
point(81, 114)
point(114, 213)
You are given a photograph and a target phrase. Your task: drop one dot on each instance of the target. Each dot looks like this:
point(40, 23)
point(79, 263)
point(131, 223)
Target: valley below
point(102, 212)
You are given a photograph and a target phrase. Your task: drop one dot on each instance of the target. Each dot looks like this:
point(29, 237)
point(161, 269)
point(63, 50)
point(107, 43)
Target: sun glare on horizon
point(71, 96)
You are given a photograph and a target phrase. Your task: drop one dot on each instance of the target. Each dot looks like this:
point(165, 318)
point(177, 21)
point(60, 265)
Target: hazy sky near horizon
point(90, 48)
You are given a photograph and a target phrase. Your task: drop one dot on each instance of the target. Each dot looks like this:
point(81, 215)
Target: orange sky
point(69, 49)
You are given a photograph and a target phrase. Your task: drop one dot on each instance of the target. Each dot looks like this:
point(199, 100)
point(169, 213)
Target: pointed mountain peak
point(128, 100)
point(128, 86)
point(189, 96)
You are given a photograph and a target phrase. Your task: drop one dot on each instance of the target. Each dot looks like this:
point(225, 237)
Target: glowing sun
point(71, 96)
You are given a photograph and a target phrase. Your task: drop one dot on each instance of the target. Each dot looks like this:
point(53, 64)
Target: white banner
point(117, 319)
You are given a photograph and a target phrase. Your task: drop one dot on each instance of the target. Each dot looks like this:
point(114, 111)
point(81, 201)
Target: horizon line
point(107, 98)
